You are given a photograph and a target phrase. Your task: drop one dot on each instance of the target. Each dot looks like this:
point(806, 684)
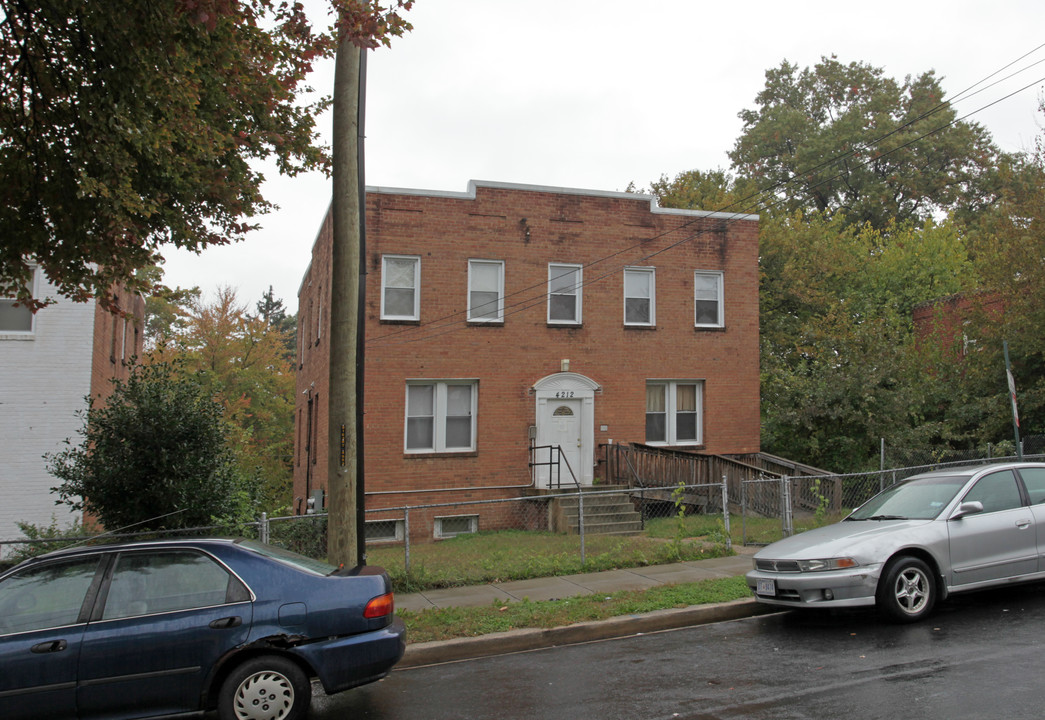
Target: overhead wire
point(452, 322)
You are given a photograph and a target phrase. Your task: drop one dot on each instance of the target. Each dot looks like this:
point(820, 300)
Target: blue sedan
point(173, 628)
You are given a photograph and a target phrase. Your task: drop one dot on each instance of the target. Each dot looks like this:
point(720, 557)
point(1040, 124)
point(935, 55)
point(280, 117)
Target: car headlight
point(826, 564)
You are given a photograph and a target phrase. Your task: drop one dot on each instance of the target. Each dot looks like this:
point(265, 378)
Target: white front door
point(565, 419)
point(562, 426)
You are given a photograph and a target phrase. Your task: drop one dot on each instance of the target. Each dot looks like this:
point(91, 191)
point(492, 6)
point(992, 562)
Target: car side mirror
point(968, 508)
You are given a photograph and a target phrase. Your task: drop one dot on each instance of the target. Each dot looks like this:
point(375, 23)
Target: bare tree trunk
point(342, 480)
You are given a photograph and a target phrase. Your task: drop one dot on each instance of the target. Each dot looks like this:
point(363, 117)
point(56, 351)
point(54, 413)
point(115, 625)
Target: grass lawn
point(500, 556)
point(488, 557)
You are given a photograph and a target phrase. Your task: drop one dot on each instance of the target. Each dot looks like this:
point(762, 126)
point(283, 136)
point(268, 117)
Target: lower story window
point(440, 415)
point(448, 527)
point(384, 530)
point(673, 412)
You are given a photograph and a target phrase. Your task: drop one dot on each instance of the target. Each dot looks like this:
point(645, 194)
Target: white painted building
point(50, 363)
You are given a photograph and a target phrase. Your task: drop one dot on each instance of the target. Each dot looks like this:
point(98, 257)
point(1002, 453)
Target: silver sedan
point(915, 543)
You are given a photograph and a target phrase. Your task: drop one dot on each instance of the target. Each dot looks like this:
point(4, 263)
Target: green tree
point(1008, 253)
point(128, 125)
point(242, 363)
point(272, 312)
point(717, 190)
point(154, 455)
point(841, 366)
point(847, 139)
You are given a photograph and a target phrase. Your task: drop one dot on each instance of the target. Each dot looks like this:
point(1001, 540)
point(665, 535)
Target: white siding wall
point(43, 383)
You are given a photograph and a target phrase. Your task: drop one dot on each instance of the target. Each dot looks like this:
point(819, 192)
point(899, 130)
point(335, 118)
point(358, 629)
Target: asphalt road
point(979, 656)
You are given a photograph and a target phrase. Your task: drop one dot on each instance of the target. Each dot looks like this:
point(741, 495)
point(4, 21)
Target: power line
point(452, 322)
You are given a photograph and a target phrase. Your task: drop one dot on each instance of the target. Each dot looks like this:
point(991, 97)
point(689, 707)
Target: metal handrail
point(557, 463)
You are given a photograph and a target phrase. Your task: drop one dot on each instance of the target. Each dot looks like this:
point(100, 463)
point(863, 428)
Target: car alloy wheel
point(266, 688)
point(907, 591)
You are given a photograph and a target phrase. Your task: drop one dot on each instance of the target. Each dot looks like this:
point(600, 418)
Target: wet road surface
point(978, 656)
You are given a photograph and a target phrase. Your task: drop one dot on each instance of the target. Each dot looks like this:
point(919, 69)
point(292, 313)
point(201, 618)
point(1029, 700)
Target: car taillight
point(379, 607)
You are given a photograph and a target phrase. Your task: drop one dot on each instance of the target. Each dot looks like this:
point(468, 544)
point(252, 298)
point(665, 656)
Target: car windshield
point(287, 557)
point(922, 499)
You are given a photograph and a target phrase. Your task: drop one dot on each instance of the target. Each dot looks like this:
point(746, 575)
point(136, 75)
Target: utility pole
point(346, 509)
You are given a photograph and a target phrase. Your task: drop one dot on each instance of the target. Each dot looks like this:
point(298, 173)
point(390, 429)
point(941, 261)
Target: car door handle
point(229, 622)
point(49, 647)
point(1022, 524)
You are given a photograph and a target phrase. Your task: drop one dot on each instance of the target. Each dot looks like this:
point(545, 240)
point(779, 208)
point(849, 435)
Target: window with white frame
point(400, 287)
point(707, 299)
point(485, 290)
point(639, 296)
point(17, 319)
point(564, 294)
point(440, 415)
point(673, 412)
point(448, 527)
point(383, 530)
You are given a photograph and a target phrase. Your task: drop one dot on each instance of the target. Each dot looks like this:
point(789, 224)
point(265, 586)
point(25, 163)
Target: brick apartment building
point(513, 315)
point(51, 362)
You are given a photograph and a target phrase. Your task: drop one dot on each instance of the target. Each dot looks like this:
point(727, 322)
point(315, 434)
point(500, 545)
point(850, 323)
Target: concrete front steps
point(608, 510)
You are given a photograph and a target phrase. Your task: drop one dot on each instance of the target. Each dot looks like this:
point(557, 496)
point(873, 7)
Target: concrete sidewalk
point(565, 586)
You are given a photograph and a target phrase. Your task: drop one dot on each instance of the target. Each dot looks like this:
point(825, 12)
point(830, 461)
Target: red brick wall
point(117, 340)
point(527, 228)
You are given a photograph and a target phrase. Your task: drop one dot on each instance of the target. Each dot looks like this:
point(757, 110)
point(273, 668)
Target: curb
point(512, 641)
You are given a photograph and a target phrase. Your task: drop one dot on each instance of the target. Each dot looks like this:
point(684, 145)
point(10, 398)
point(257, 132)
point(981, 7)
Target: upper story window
point(400, 287)
point(485, 290)
point(707, 299)
point(673, 412)
point(640, 297)
point(440, 415)
point(16, 319)
point(564, 294)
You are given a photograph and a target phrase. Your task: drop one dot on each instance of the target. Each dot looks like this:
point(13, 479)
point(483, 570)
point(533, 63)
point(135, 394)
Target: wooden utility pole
point(345, 401)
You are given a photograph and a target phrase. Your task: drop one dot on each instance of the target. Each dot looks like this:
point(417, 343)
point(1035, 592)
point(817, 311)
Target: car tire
point(269, 687)
point(906, 590)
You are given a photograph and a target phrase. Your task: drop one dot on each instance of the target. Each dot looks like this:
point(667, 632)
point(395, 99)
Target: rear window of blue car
point(317, 567)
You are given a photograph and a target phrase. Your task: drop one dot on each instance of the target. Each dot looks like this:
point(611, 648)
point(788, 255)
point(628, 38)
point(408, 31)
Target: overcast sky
point(595, 94)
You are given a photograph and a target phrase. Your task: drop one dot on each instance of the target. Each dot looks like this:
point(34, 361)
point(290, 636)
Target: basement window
point(384, 531)
point(448, 527)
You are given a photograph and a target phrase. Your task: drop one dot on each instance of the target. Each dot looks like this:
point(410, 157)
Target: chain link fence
point(649, 525)
point(772, 508)
point(399, 538)
point(901, 457)
point(13, 551)
point(593, 520)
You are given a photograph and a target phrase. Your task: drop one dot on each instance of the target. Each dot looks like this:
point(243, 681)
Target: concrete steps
point(606, 512)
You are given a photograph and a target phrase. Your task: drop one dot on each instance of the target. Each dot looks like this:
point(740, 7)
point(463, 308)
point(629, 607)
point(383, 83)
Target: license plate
point(766, 587)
